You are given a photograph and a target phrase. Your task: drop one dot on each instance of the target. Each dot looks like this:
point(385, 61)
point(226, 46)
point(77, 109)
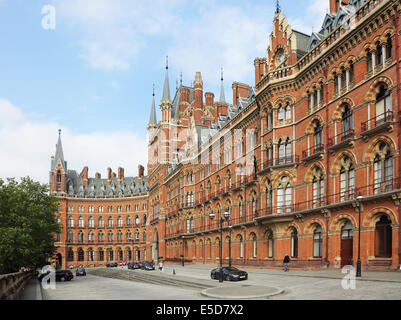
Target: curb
point(206, 293)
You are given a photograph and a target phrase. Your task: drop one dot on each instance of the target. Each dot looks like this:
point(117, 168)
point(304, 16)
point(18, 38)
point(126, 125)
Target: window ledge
point(379, 259)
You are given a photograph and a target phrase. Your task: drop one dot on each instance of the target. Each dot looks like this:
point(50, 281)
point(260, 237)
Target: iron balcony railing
point(312, 151)
point(377, 121)
point(342, 137)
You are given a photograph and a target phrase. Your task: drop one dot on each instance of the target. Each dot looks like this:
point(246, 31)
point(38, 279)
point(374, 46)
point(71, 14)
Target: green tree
point(27, 224)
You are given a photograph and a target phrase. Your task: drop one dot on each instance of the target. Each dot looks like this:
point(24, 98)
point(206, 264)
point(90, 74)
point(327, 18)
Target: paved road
point(298, 285)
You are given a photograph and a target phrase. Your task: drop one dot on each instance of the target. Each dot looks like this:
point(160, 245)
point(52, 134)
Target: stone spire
point(278, 9)
point(153, 119)
point(59, 154)
point(166, 88)
point(222, 95)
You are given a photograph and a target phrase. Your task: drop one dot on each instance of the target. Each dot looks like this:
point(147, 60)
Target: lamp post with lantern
point(223, 218)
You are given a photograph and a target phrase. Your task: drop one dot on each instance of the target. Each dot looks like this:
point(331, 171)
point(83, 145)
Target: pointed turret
point(166, 88)
point(153, 118)
point(222, 95)
point(59, 154)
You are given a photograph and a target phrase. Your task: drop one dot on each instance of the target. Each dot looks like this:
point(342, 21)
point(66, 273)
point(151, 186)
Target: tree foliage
point(27, 224)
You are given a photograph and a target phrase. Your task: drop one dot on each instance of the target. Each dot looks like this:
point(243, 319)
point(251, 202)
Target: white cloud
point(222, 36)
point(26, 146)
point(312, 18)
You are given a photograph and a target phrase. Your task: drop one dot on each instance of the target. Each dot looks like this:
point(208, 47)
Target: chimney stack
point(98, 175)
point(120, 175)
point(209, 97)
point(84, 176)
point(141, 171)
point(109, 176)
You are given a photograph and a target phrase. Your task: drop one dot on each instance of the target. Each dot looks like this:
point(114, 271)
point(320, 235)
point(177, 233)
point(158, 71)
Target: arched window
point(100, 236)
point(318, 187)
point(384, 105)
point(101, 222)
point(389, 47)
point(321, 93)
point(280, 113)
point(91, 255)
point(70, 254)
point(110, 222)
point(91, 222)
point(317, 242)
point(241, 208)
point(383, 169)
point(58, 181)
point(383, 238)
point(284, 195)
point(318, 137)
point(91, 236)
point(110, 236)
point(137, 222)
point(120, 236)
point(351, 72)
point(120, 255)
point(70, 222)
point(110, 254)
point(269, 197)
point(81, 255)
point(343, 78)
point(101, 254)
point(241, 246)
point(347, 180)
point(347, 231)
point(294, 243)
point(129, 221)
point(70, 236)
point(347, 125)
point(369, 61)
point(80, 236)
point(120, 222)
point(254, 246)
point(270, 245)
point(288, 111)
point(80, 222)
point(379, 54)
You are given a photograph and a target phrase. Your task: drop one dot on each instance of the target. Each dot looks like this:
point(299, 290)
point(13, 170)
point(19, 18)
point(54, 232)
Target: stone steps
point(152, 277)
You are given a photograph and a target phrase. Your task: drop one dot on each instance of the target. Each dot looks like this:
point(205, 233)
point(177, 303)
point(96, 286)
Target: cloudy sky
point(92, 75)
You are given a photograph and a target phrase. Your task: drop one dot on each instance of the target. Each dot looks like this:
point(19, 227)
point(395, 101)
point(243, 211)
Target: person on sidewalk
point(161, 266)
point(286, 261)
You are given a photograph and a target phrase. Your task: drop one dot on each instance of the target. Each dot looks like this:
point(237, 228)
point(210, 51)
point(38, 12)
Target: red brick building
point(288, 166)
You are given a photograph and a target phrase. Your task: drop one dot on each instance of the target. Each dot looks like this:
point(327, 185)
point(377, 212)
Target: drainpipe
point(325, 73)
point(397, 54)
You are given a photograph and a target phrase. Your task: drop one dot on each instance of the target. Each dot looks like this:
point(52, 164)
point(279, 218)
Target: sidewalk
point(382, 276)
point(32, 291)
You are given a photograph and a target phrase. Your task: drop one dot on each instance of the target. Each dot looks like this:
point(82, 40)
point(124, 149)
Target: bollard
point(174, 271)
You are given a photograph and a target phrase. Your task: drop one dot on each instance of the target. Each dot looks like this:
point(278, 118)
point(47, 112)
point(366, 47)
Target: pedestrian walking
point(161, 266)
point(286, 261)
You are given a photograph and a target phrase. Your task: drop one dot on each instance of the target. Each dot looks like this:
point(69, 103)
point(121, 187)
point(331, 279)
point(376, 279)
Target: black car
point(229, 274)
point(134, 266)
point(148, 266)
point(61, 275)
point(111, 265)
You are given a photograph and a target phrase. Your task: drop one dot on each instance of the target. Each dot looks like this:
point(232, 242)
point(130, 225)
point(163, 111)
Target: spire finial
point(167, 62)
point(181, 78)
point(59, 132)
point(153, 89)
point(278, 9)
point(222, 95)
point(222, 78)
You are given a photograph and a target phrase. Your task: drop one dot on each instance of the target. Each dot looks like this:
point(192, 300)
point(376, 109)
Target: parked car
point(148, 266)
point(229, 274)
point(111, 265)
point(134, 266)
point(61, 275)
point(80, 271)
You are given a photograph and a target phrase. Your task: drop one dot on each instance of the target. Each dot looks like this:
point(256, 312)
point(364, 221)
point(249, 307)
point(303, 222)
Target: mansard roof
point(130, 186)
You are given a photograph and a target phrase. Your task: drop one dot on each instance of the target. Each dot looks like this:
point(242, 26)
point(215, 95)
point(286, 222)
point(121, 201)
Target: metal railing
point(377, 121)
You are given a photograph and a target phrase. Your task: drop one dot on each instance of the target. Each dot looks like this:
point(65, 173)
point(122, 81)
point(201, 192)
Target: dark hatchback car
point(134, 266)
point(111, 265)
point(148, 266)
point(61, 275)
point(229, 274)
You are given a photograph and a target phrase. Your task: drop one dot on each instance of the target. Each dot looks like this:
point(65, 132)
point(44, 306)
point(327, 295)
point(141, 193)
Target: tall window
point(101, 255)
point(280, 113)
point(383, 169)
point(100, 236)
point(389, 47)
point(70, 254)
point(110, 222)
point(81, 237)
point(318, 137)
point(70, 222)
point(383, 238)
point(91, 236)
point(379, 53)
point(383, 105)
point(317, 187)
point(284, 196)
point(120, 222)
point(70, 236)
point(317, 242)
point(110, 236)
point(241, 247)
point(288, 111)
point(347, 231)
point(369, 61)
point(347, 180)
point(91, 222)
point(58, 181)
point(101, 222)
point(269, 196)
point(80, 222)
point(91, 255)
point(254, 246)
point(81, 255)
point(346, 122)
point(294, 243)
point(270, 244)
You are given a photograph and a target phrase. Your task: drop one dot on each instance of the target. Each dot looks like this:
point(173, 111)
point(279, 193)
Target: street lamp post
point(221, 220)
point(358, 264)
